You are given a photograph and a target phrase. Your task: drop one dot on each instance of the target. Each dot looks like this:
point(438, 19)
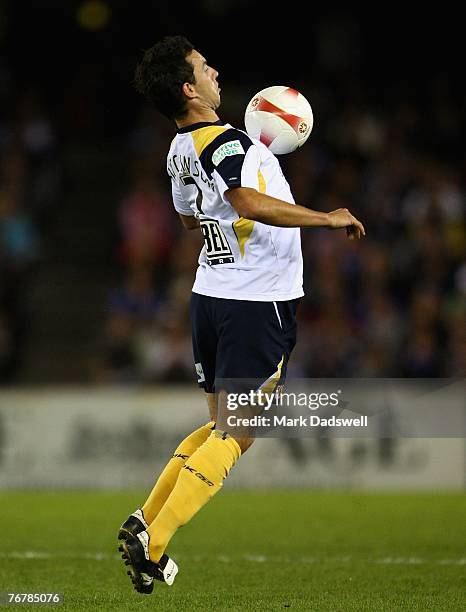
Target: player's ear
point(189, 90)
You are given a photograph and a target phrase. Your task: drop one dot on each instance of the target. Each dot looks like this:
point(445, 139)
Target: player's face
point(206, 80)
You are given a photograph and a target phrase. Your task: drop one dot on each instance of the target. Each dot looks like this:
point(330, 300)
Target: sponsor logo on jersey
point(228, 149)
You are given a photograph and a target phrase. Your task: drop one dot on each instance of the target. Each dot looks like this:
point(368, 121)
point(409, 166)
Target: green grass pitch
point(295, 550)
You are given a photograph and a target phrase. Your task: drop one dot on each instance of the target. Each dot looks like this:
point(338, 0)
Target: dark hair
point(161, 73)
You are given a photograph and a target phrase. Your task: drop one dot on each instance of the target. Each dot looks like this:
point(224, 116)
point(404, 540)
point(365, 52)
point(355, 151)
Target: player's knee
point(244, 443)
point(212, 403)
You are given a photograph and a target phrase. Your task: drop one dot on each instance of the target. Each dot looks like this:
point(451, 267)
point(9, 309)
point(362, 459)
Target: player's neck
point(197, 116)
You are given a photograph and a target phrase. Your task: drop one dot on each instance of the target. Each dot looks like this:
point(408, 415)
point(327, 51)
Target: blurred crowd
point(30, 181)
point(148, 330)
point(392, 305)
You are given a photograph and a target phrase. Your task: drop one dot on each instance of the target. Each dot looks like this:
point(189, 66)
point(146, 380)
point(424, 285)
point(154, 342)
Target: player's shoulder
point(228, 143)
point(246, 141)
point(232, 133)
point(212, 139)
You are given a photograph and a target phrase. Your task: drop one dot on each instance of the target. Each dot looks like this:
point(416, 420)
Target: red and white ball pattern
point(280, 117)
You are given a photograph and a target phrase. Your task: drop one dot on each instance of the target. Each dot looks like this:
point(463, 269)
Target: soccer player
point(246, 291)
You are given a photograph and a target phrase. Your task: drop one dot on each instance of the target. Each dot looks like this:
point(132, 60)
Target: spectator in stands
point(145, 221)
point(18, 252)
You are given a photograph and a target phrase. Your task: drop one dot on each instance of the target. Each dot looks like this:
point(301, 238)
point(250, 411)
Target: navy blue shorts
point(234, 340)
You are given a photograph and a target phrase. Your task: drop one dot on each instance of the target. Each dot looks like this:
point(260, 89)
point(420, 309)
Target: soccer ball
point(280, 117)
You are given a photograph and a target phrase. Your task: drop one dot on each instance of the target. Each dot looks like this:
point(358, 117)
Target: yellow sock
point(199, 480)
point(167, 479)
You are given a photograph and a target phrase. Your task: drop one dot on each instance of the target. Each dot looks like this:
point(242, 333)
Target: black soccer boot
point(134, 524)
point(143, 571)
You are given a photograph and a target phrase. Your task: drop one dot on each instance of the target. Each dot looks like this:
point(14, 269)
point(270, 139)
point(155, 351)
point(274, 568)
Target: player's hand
point(341, 217)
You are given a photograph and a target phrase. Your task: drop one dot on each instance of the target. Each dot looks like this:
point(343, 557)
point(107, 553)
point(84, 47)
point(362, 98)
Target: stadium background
point(95, 270)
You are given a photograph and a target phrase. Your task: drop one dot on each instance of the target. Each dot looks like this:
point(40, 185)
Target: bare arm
point(189, 223)
point(256, 206)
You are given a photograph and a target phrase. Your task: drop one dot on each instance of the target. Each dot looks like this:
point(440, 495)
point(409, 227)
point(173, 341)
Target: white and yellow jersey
point(241, 259)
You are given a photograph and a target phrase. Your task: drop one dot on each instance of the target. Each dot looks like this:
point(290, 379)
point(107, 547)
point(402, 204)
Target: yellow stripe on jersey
point(243, 230)
point(261, 178)
point(243, 227)
point(204, 136)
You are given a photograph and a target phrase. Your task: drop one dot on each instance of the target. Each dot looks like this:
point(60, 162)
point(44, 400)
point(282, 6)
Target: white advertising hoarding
point(121, 438)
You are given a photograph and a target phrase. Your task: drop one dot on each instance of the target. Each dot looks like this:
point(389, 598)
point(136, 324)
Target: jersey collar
point(197, 126)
